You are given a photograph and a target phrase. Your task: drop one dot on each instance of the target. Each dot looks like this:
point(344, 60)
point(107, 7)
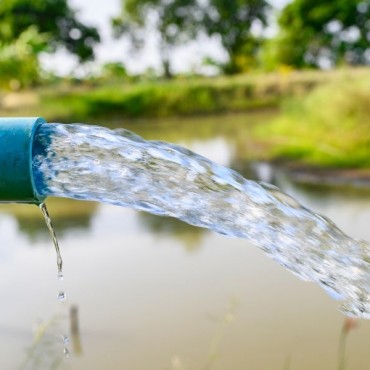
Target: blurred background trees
point(28, 28)
point(252, 34)
point(323, 33)
point(52, 18)
point(174, 22)
point(18, 59)
point(179, 21)
point(233, 22)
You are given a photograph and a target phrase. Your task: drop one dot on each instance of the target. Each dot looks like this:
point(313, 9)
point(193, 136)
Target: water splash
point(119, 167)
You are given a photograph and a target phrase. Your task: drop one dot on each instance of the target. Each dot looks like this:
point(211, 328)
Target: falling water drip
point(60, 275)
point(49, 224)
point(65, 339)
point(61, 296)
point(66, 352)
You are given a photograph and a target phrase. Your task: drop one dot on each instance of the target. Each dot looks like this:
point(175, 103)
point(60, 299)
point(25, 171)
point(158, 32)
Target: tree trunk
point(167, 73)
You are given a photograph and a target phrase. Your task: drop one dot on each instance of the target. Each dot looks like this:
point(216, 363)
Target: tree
point(320, 32)
point(173, 21)
point(52, 17)
point(178, 21)
point(114, 71)
point(233, 21)
point(19, 65)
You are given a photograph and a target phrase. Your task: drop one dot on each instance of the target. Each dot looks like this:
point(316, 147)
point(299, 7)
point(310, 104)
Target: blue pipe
point(17, 184)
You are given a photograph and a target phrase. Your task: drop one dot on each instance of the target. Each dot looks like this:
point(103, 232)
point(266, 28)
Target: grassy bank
point(178, 97)
point(330, 127)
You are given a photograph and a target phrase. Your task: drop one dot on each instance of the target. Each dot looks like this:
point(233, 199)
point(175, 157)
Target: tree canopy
point(174, 21)
point(233, 22)
point(19, 64)
point(320, 32)
point(179, 21)
point(53, 18)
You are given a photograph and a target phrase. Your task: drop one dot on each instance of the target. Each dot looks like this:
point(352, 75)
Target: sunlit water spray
point(119, 167)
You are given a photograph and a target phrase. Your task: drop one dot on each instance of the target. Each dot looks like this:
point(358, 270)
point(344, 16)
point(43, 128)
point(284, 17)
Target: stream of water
point(119, 167)
point(51, 229)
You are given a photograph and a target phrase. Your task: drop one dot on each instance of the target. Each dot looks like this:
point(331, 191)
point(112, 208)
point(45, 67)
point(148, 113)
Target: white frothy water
point(119, 167)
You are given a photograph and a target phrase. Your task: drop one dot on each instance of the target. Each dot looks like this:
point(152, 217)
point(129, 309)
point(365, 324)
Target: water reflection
point(75, 330)
point(223, 321)
point(45, 352)
point(190, 236)
point(49, 349)
point(67, 215)
point(213, 132)
point(349, 324)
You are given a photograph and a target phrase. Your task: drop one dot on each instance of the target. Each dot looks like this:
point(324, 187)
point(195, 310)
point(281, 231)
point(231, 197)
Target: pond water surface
point(152, 293)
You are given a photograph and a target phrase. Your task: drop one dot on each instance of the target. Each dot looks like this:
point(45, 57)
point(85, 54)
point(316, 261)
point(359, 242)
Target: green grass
point(157, 100)
point(330, 127)
point(178, 97)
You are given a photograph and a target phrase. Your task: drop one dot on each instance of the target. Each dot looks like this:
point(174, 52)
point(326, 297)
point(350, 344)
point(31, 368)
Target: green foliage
point(113, 71)
point(86, 100)
point(173, 21)
point(280, 52)
point(232, 21)
point(55, 18)
point(316, 32)
point(179, 21)
point(177, 97)
point(18, 61)
point(330, 127)
point(161, 100)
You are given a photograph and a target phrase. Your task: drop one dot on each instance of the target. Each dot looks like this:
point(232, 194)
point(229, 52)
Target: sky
point(99, 12)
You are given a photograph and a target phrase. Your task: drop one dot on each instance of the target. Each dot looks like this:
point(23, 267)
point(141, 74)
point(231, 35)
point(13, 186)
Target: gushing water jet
point(118, 167)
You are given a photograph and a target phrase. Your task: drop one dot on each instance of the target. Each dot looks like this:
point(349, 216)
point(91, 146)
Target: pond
point(146, 292)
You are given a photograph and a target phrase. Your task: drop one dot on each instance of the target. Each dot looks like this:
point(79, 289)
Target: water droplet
point(60, 276)
point(66, 352)
point(61, 296)
point(65, 339)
